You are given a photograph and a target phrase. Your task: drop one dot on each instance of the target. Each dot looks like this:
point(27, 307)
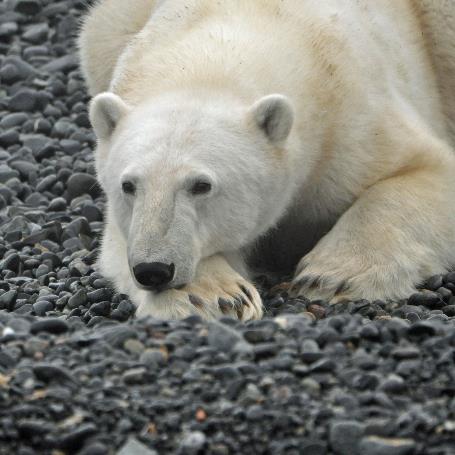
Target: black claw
point(316, 281)
point(342, 287)
point(196, 301)
point(238, 303)
point(299, 284)
point(225, 305)
point(246, 291)
point(304, 281)
point(238, 306)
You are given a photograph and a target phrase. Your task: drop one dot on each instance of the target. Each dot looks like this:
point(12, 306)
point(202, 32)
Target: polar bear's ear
point(274, 115)
point(106, 109)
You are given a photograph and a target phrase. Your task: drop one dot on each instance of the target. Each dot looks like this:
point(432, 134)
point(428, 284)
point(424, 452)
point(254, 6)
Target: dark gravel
point(79, 375)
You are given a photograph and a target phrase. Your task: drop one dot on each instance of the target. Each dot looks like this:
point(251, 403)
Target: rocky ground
point(78, 374)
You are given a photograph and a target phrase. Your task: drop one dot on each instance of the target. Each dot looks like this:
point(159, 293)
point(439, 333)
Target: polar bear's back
point(106, 31)
point(113, 24)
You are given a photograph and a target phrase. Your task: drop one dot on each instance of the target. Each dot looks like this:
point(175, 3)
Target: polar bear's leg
point(219, 287)
point(400, 231)
point(217, 290)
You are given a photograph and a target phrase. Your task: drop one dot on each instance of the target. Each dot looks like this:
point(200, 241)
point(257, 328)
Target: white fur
point(299, 113)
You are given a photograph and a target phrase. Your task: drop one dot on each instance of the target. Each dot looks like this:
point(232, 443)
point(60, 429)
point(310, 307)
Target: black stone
point(30, 7)
point(101, 308)
point(99, 295)
point(33, 427)
point(47, 372)
point(427, 298)
point(49, 325)
point(422, 329)
point(74, 439)
point(435, 282)
point(79, 184)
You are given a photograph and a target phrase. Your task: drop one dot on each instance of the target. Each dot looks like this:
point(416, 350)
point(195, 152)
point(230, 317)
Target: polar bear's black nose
point(153, 275)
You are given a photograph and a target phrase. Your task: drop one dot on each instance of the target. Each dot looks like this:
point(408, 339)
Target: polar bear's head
point(189, 178)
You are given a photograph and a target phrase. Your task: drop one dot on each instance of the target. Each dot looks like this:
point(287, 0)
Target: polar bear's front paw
point(237, 298)
point(336, 277)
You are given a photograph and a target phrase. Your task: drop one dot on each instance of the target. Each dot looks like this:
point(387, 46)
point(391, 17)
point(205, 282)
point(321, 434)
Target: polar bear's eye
point(200, 187)
point(128, 187)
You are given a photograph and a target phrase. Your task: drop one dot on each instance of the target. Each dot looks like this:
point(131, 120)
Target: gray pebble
point(223, 337)
point(24, 100)
point(345, 437)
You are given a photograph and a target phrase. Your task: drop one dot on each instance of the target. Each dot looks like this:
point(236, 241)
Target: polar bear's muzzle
point(162, 255)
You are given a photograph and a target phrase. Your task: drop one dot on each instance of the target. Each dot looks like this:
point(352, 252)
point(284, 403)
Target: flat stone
point(14, 119)
point(8, 29)
point(374, 445)
point(24, 100)
point(135, 375)
point(37, 33)
point(64, 64)
point(133, 447)
point(50, 325)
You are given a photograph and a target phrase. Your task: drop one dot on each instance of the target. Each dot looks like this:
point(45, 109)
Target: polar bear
point(284, 134)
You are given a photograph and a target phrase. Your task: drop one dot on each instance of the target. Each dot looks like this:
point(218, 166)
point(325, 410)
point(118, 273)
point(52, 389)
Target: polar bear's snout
point(161, 248)
point(153, 276)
